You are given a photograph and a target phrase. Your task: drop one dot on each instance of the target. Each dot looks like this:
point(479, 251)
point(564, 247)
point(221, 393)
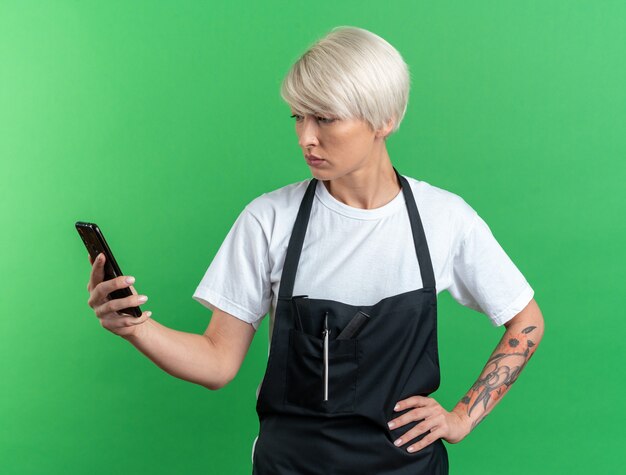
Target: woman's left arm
point(518, 344)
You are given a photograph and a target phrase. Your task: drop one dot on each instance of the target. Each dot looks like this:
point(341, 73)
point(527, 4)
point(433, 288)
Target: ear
point(384, 132)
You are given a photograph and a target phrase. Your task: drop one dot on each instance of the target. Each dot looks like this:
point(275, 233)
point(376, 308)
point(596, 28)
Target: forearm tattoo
point(501, 371)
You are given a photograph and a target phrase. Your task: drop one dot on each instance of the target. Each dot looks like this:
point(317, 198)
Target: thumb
point(97, 271)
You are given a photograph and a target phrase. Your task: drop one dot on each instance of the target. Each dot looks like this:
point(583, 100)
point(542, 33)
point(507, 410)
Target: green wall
point(161, 120)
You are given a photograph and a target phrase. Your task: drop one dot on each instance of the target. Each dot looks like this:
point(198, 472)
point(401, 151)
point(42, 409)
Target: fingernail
point(398, 442)
point(391, 425)
point(142, 298)
point(410, 449)
point(130, 280)
point(99, 257)
point(397, 407)
point(149, 314)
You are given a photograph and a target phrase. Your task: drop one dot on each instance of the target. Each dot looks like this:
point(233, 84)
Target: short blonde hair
point(350, 73)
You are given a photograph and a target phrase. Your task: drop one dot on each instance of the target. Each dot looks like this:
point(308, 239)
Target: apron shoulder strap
point(419, 237)
point(294, 249)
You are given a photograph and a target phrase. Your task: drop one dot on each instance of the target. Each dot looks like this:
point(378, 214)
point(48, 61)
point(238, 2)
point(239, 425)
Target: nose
point(307, 131)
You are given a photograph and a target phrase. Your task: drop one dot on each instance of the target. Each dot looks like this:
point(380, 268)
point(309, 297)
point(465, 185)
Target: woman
point(348, 264)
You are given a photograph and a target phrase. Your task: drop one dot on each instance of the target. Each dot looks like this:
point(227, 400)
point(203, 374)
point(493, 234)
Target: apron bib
point(324, 401)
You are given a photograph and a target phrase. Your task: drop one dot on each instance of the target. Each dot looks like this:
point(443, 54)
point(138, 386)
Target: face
point(345, 145)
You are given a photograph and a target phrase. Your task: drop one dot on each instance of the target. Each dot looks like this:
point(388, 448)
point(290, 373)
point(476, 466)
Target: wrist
point(466, 421)
point(137, 333)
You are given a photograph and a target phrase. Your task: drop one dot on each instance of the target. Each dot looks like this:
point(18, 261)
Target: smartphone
point(95, 243)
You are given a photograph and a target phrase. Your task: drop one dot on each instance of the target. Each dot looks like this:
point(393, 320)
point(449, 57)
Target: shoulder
point(440, 202)
point(277, 200)
point(448, 218)
point(276, 208)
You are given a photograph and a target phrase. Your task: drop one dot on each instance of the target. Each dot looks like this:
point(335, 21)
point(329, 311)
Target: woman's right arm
point(211, 360)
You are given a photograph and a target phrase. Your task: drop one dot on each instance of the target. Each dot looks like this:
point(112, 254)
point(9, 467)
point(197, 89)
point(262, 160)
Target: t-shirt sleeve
point(484, 278)
point(237, 280)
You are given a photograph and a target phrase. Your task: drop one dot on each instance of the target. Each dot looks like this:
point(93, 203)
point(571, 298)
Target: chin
point(319, 174)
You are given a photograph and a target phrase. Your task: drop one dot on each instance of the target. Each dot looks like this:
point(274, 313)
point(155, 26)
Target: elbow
point(215, 385)
point(220, 371)
point(218, 382)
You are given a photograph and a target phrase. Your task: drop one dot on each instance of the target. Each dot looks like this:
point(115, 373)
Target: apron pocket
point(305, 382)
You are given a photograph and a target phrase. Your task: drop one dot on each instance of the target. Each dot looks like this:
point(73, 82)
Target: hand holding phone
point(114, 300)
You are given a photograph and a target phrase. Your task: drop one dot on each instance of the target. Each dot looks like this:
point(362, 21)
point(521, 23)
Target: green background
point(160, 121)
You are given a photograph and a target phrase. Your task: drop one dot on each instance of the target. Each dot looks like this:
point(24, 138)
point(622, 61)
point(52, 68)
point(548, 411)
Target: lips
point(314, 161)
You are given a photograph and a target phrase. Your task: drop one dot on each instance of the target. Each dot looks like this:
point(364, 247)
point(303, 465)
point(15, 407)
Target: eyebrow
point(316, 114)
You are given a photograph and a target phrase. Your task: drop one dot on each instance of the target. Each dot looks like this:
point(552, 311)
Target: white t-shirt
point(360, 256)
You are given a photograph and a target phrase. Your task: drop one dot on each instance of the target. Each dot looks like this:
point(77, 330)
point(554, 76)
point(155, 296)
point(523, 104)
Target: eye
point(325, 121)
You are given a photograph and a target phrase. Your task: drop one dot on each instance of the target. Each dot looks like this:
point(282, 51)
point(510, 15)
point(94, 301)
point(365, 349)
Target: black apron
point(324, 403)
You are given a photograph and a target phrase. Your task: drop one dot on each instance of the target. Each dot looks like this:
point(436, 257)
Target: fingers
point(99, 295)
point(113, 319)
point(97, 272)
point(428, 439)
point(428, 428)
point(108, 310)
point(124, 325)
point(115, 305)
point(426, 410)
point(410, 416)
point(128, 320)
point(413, 401)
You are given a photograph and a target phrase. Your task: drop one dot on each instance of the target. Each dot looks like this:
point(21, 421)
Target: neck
point(366, 188)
